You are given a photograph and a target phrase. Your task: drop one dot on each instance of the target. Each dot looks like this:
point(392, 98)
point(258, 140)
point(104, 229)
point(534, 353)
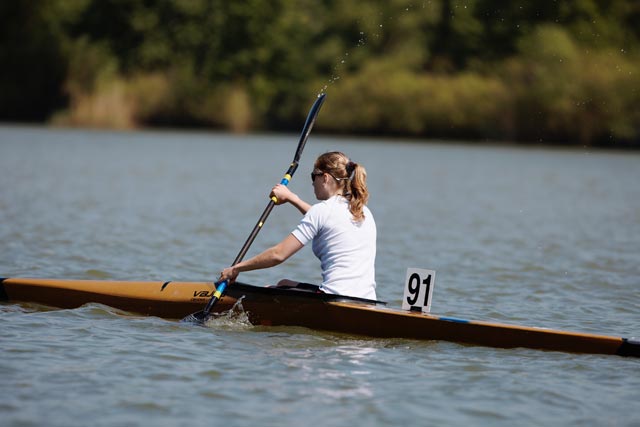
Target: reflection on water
point(344, 371)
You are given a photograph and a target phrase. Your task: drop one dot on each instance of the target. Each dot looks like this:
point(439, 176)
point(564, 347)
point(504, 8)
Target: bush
point(563, 93)
point(384, 99)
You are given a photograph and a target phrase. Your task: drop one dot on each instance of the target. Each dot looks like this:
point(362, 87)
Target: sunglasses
point(315, 174)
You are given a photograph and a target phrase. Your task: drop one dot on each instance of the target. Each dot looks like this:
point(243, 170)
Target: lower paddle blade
point(201, 316)
point(196, 318)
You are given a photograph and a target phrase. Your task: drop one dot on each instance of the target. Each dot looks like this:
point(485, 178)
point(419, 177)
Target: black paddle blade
point(201, 316)
point(308, 125)
point(198, 318)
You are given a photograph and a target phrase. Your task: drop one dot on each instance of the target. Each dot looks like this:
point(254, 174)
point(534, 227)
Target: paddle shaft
point(222, 285)
point(311, 118)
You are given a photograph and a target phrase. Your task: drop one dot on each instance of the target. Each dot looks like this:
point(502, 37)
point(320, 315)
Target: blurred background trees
point(565, 72)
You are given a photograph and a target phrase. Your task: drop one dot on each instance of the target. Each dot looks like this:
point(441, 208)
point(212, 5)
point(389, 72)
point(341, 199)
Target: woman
point(341, 228)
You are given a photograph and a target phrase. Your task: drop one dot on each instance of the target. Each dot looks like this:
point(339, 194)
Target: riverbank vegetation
point(552, 72)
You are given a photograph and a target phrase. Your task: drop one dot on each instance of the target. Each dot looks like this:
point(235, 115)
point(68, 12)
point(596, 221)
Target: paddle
point(221, 286)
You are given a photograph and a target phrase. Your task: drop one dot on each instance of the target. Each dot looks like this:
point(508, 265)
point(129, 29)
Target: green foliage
point(385, 99)
point(562, 92)
point(552, 71)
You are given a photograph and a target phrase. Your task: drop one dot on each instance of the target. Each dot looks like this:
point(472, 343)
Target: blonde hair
point(352, 178)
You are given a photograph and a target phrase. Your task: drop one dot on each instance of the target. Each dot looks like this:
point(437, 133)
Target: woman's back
point(346, 248)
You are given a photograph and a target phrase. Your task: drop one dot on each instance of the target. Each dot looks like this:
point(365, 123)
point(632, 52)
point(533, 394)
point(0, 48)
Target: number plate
point(418, 289)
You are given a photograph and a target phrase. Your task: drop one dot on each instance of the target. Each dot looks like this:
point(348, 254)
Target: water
point(536, 236)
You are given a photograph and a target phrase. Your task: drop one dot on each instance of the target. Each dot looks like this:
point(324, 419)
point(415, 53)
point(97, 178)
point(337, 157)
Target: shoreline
point(323, 133)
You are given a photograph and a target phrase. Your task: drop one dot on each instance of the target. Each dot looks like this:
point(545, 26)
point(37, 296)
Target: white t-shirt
point(346, 248)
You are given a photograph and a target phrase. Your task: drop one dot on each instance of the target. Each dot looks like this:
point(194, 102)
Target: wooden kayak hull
point(170, 300)
point(285, 307)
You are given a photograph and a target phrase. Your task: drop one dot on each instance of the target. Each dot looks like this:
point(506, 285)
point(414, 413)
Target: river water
point(532, 236)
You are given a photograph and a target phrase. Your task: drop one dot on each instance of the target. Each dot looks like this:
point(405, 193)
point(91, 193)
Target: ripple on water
point(508, 243)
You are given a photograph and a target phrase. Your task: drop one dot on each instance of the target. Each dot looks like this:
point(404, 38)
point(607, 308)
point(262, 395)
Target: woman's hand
point(283, 194)
point(229, 274)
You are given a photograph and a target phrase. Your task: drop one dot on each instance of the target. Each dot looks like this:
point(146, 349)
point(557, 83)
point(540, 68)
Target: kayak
point(291, 307)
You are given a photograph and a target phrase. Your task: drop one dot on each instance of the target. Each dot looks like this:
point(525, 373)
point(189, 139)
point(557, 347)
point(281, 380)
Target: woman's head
point(349, 177)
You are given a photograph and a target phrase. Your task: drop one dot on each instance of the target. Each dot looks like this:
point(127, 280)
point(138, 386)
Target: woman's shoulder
point(320, 207)
point(331, 201)
point(326, 207)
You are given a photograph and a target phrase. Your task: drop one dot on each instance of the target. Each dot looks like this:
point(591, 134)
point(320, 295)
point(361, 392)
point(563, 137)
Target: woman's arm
point(271, 257)
point(284, 195)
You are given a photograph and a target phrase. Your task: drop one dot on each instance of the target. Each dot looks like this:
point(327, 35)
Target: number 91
point(418, 290)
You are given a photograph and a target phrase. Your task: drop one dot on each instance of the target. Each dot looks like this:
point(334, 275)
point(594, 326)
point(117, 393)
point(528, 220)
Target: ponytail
point(353, 178)
point(358, 194)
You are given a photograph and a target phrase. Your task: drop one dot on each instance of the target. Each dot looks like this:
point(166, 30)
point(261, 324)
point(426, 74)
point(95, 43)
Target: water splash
point(236, 318)
point(362, 40)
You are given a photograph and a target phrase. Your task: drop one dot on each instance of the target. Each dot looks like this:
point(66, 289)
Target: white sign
point(418, 289)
